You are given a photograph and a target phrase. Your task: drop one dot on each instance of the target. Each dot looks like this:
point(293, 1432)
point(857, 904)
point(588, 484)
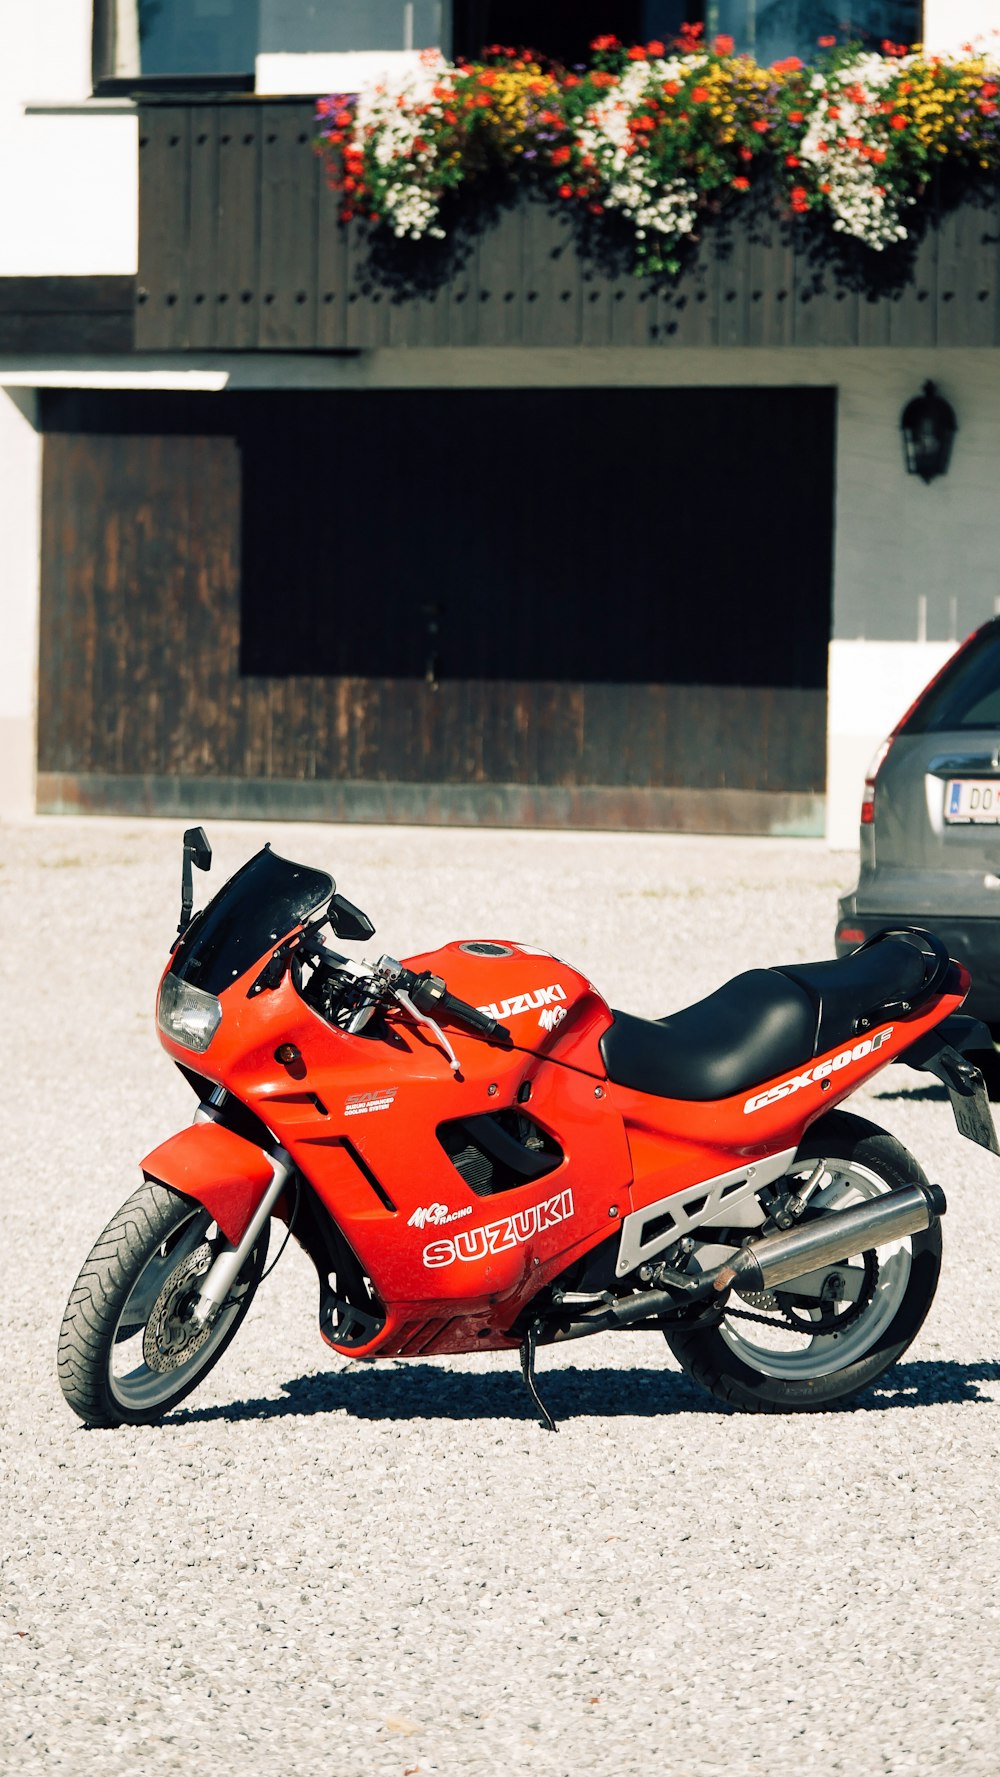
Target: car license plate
point(972, 800)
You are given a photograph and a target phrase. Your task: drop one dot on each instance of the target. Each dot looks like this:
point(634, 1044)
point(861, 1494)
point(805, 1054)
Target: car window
point(967, 695)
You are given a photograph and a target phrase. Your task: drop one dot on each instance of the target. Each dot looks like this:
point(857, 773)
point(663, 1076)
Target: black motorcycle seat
point(757, 1025)
point(761, 1024)
point(852, 987)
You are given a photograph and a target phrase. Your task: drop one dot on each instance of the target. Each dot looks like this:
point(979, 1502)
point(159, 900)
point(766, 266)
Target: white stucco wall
point(948, 24)
point(69, 181)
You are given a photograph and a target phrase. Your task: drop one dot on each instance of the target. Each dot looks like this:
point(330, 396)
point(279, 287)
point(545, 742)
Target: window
point(565, 29)
point(767, 29)
point(770, 29)
point(967, 695)
point(217, 42)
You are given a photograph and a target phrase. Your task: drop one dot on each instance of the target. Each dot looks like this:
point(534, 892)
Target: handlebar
point(427, 993)
point(430, 994)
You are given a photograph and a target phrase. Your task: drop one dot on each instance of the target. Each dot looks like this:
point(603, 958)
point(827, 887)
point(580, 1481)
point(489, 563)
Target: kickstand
point(528, 1344)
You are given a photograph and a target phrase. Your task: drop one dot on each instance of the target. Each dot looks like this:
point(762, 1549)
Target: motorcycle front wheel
point(129, 1349)
point(763, 1358)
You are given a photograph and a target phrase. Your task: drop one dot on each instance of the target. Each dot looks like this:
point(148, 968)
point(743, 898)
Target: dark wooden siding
point(240, 249)
point(67, 314)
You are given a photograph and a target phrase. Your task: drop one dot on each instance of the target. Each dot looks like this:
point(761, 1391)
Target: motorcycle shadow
point(420, 1391)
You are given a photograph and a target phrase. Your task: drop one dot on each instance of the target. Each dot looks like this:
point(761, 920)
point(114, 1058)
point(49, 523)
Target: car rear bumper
point(973, 942)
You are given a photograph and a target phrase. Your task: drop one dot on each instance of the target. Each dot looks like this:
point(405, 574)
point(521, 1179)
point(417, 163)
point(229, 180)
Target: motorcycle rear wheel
point(745, 1365)
point(128, 1350)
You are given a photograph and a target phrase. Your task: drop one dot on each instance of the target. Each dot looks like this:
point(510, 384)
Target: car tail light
point(850, 935)
point(871, 778)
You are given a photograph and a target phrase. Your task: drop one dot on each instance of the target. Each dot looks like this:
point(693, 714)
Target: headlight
point(187, 1014)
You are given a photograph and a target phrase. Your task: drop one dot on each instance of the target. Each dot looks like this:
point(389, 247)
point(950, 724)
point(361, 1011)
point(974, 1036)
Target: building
point(540, 546)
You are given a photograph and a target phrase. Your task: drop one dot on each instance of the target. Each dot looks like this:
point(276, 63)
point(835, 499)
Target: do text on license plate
point(975, 801)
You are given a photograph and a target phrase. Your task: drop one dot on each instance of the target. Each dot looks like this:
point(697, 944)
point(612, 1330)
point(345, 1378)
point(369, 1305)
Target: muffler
point(775, 1259)
point(772, 1260)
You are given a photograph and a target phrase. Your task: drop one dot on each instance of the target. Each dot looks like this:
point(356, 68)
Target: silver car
point(930, 823)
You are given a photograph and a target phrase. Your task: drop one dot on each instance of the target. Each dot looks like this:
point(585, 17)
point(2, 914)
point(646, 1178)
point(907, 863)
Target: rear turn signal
point(871, 778)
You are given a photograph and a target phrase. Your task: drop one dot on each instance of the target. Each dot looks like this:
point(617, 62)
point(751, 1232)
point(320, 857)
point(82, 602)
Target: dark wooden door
point(624, 590)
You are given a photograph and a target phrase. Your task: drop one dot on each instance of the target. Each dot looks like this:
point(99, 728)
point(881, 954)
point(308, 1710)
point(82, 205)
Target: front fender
point(219, 1169)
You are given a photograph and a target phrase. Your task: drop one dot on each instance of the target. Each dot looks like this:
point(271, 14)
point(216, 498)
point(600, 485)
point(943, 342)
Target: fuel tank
point(549, 1008)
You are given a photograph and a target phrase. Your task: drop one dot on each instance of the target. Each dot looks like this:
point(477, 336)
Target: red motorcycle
point(478, 1155)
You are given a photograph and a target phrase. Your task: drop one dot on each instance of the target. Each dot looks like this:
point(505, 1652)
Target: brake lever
point(405, 1001)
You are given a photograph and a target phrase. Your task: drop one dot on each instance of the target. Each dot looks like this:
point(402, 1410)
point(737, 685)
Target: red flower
point(565, 191)
point(987, 110)
point(899, 122)
point(854, 142)
point(692, 32)
point(760, 126)
point(700, 95)
point(740, 183)
point(602, 43)
point(989, 89)
point(449, 116)
point(833, 111)
point(560, 156)
point(826, 42)
point(746, 154)
point(796, 117)
point(800, 198)
point(637, 53)
point(723, 46)
point(790, 65)
point(571, 80)
point(670, 87)
point(826, 187)
point(792, 160)
point(878, 156)
point(656, 48)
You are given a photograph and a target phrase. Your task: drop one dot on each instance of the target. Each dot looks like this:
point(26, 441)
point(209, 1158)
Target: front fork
point(226, 1267)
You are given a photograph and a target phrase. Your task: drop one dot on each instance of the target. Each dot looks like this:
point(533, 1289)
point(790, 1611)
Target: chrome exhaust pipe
point(775, 1259)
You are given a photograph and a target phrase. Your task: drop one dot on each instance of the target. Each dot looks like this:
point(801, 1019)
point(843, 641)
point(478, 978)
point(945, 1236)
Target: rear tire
point(127, 1350)
point(742, 1364)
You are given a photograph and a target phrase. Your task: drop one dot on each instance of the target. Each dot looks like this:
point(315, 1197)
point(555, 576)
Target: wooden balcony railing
point(240, 249)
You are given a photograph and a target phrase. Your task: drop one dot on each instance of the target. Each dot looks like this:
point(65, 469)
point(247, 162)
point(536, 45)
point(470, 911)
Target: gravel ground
point(381, 1570)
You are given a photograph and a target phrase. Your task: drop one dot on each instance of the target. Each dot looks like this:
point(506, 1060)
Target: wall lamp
point(928, 425)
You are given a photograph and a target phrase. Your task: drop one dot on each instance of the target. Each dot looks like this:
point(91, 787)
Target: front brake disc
point(171, 1336)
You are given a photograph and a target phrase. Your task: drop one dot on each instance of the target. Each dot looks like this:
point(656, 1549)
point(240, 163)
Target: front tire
point(777, 1369)
point(128, 1351)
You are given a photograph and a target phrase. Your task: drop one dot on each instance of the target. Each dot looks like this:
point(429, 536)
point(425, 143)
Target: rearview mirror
point(197, 851)
point(348, 921)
